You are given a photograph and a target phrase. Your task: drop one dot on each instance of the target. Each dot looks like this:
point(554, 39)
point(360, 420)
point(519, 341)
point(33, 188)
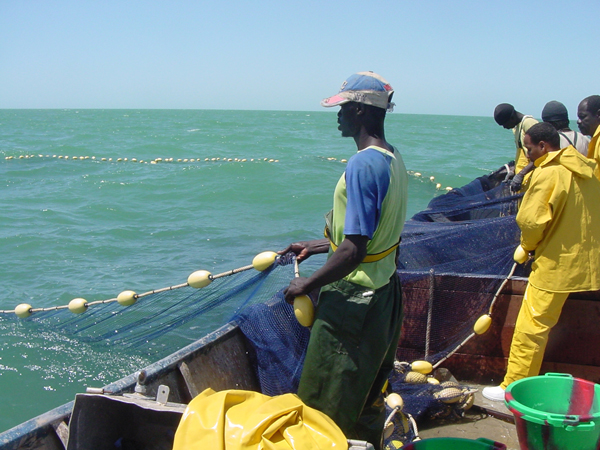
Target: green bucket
point(454, 444)
point(555, 411)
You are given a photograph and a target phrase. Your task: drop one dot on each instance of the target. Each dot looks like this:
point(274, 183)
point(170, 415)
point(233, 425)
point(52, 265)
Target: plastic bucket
point(555, 411)
point(454, 444)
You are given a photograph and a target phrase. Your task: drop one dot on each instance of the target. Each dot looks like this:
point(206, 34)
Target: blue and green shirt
point(370, 200)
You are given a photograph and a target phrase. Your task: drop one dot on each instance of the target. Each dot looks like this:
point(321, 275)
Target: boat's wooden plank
point(37, 433)
point(62, 431)
point(186, 373)
point(224, 367)
point(224, 347)
point(573, 347)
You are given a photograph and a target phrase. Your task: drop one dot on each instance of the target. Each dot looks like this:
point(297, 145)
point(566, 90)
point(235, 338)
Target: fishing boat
point(144, 408)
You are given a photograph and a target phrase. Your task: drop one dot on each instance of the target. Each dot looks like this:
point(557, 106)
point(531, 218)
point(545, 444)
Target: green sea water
point(89, 227)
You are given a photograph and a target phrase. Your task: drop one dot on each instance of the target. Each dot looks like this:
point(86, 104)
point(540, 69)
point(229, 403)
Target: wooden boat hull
point(573, 346)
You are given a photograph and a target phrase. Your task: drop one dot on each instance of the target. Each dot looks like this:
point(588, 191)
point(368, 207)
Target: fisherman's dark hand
point(298, 286)
point(300, 249)
point(304, 249)
point(516, 183)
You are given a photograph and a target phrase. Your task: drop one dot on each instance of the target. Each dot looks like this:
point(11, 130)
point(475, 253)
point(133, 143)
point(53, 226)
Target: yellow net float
point(520, 255)
point(264, 260)
point(482, 324)
point(304, 310)
point(78, 305)
point(23, 310)
point(127, 298)
point(394, 401)
point(200, 279)
point(423, 367)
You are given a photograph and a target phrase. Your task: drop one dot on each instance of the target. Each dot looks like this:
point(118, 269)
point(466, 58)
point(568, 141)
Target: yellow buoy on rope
point(264, 260)
point(127, 298)
point(482, 324)
point(78, 305)
point(394, 401)
point(23, 310)
point(200, 279)
point(304, 310)
point(520, 255)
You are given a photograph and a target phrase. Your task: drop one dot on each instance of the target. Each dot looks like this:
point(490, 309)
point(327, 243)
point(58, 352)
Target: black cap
point(503, 113)
point(554, 112)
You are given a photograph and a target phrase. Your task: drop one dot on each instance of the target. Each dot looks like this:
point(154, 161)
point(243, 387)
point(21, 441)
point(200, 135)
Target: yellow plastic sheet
point(241, 420)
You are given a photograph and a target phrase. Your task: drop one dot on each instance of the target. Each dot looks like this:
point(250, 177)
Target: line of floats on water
point(415, 174)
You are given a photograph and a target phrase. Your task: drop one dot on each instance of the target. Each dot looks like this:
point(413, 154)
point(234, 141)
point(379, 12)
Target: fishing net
point(167, 320)
point(468, 236)
point(279, 344)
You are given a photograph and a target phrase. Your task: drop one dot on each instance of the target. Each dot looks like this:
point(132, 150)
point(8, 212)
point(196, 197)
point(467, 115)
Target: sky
point(441, 57)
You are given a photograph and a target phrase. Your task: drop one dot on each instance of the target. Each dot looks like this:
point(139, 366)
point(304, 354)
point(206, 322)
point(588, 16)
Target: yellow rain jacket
point(594, 151)
point(559, 218)
point(236, 420)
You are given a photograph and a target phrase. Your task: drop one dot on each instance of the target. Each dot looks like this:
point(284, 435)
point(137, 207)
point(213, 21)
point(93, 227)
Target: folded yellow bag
point(241, 420)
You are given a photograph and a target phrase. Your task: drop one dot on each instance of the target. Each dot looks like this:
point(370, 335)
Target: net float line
point(412, 173)
point(198, 280)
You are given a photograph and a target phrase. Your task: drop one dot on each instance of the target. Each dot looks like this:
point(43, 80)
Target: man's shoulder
point(528, 122)
point(371, 156)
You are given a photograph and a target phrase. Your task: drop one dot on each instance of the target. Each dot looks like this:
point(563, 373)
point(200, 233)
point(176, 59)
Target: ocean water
point(98, 222)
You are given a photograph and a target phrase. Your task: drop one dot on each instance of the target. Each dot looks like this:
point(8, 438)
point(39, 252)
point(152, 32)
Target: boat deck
point(486, 419)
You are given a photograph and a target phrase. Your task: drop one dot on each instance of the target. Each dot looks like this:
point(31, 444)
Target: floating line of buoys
point(143, 161)
point(198, 280)
point(412, 173)
point(431, 178)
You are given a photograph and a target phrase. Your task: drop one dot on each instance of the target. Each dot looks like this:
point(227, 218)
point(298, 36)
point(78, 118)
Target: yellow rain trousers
point(559, 218)
point(236, 420)
point(539, 312)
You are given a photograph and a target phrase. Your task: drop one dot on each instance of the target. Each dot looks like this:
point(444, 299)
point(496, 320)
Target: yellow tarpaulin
point(242, 420)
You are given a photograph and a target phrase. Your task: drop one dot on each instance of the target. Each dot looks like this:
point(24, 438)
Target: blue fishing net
point(279, 343)
point(160, 323)
point(467, 235)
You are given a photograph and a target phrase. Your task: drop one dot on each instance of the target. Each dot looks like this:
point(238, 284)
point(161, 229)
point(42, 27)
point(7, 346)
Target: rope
point(510, 274)
point(83, 305)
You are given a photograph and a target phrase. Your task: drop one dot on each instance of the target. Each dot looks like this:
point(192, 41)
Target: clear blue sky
point(441, 57)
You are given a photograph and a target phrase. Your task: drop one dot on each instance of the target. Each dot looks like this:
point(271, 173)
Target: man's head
point(364, 99)
point(540, 139)
point(506, 116)
point(555, 113)
point(588, 115)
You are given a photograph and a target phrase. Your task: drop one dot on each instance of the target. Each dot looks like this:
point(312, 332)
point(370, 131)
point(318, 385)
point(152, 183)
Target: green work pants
point(350, 355)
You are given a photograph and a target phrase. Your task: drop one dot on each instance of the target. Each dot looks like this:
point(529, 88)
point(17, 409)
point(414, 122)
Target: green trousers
point(350, 355)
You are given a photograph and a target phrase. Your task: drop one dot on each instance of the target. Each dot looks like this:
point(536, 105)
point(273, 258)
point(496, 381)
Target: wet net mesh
point(161, 323)
point(469, 236)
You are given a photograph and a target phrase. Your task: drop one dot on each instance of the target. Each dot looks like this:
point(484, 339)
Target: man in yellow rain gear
point(508, 117)
point(588, 119)
point(559, 219)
